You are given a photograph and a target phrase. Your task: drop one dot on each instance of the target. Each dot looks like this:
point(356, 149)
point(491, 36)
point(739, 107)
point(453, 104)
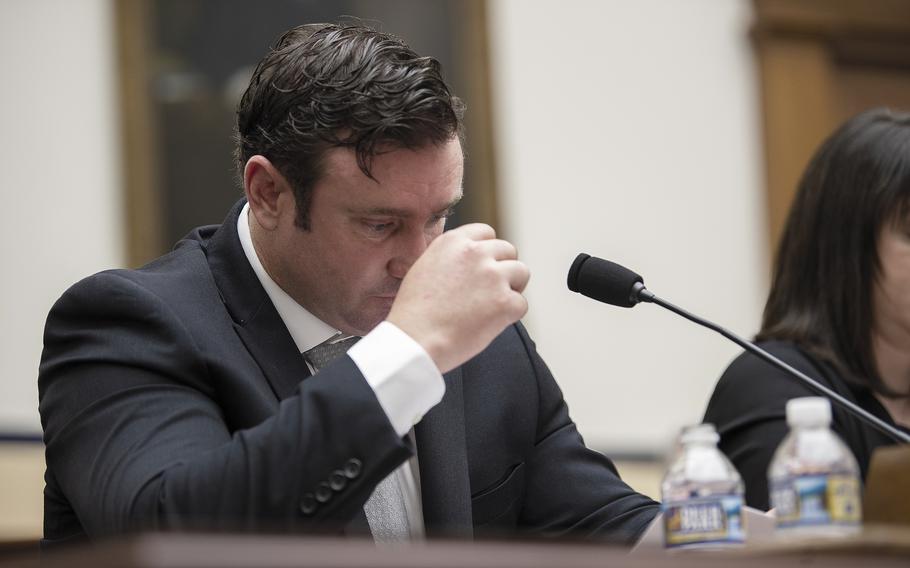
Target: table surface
point(876, 546)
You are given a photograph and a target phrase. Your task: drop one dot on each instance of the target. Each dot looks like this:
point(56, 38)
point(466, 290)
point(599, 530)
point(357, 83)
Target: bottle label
point(812, 500)
point(707, 520)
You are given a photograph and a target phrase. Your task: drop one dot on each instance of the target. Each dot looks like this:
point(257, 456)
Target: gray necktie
point(385, 509)
point(326, 352)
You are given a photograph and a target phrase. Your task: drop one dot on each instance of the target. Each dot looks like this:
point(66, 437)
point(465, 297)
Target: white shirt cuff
point(406, 381)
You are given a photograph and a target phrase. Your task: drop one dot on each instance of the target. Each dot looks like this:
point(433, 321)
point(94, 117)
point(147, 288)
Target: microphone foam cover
point(603, 280)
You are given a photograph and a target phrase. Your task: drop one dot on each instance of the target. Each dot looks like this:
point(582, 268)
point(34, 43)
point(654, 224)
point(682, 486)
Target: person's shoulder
point(511, 342)
point(787, 351)
point(163, 279)
point(510, 356)
point(753, 378)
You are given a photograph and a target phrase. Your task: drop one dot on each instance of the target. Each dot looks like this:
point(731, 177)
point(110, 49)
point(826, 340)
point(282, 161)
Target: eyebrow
point(404, 213)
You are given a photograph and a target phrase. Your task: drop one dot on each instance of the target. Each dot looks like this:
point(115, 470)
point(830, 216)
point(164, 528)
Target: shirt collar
point(307, 330)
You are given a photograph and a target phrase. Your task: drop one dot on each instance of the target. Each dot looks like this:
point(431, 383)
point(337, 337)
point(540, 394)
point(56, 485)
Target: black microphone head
point(604, 281)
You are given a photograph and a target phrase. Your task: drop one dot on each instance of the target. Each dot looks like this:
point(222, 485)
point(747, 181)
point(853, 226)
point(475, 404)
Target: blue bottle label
point(713, 520)
point(818, 499)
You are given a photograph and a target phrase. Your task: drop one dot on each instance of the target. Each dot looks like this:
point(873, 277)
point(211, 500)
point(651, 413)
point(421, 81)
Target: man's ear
point(264, 186)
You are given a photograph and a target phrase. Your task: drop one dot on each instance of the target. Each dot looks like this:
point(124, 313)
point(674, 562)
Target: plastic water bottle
point(702, 494)
point(813, 479)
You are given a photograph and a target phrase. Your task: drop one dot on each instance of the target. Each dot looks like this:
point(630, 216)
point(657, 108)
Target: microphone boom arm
point(642, 294)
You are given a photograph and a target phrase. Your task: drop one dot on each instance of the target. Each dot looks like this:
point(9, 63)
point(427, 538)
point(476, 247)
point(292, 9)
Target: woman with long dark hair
point(839, 306)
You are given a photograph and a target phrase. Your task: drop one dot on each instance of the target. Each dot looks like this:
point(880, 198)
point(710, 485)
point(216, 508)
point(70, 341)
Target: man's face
point(364, 234)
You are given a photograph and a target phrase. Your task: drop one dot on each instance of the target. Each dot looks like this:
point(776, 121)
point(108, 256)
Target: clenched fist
point(460, 294)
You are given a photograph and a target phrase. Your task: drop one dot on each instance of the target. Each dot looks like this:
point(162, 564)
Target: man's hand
point(460, 294)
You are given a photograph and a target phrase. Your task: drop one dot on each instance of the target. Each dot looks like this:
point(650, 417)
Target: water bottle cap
point(699, 433)
point(809, 411)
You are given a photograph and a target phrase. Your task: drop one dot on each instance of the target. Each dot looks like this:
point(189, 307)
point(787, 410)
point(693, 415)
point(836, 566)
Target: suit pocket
point(499, 504)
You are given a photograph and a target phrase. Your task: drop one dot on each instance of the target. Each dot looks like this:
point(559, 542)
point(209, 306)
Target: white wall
point(630, 131)
point(59, 157)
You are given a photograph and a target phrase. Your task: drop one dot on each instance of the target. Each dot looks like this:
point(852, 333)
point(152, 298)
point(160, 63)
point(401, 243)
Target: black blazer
point(749, 409)
point(173, 397)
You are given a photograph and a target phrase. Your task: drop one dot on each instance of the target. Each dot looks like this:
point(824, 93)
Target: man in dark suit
point(284, 371)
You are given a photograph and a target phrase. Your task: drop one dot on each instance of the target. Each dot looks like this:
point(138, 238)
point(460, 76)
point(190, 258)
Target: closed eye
point(378, 227)
point(442, 216)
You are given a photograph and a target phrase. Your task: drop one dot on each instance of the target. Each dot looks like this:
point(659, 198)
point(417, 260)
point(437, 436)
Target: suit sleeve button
point(337, 480)
point(323, 492)
point(352, 468)
point(308, 504)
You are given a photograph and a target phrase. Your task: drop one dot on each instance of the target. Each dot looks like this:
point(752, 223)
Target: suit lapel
point(256, 321)
point(442, 455)
point(441, 449)
point(270, 344)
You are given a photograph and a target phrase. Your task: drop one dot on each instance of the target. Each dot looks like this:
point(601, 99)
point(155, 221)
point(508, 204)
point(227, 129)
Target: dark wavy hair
point(827, 262)
point(341, 85)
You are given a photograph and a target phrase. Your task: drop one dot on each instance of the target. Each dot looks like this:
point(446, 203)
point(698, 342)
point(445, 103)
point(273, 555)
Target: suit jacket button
point(308, 504)
point(352, 468)
point(323, 492)
point(337, 480)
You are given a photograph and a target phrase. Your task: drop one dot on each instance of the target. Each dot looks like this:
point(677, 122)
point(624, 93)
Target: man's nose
point(410, 247)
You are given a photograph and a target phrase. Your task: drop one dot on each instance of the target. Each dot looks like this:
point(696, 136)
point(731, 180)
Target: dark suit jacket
point(173, 397)
point(749, 409)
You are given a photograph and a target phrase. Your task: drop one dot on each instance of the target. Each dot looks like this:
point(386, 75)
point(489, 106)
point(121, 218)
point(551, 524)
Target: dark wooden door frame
point(142, 210)
point(802, 46)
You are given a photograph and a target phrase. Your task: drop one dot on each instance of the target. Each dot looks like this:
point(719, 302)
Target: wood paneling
point(799, 111)
point(473, 46)
point(170, 174)
point(822, 61)
point(21, 490)
point(142, 211)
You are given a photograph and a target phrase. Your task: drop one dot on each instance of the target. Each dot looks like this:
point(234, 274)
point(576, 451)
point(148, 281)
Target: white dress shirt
point(406, 381)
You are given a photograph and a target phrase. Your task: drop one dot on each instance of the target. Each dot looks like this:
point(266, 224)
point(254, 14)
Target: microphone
point(605, 281)
point(616, 285)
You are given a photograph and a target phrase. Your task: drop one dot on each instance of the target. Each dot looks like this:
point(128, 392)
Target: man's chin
point(368, 319)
